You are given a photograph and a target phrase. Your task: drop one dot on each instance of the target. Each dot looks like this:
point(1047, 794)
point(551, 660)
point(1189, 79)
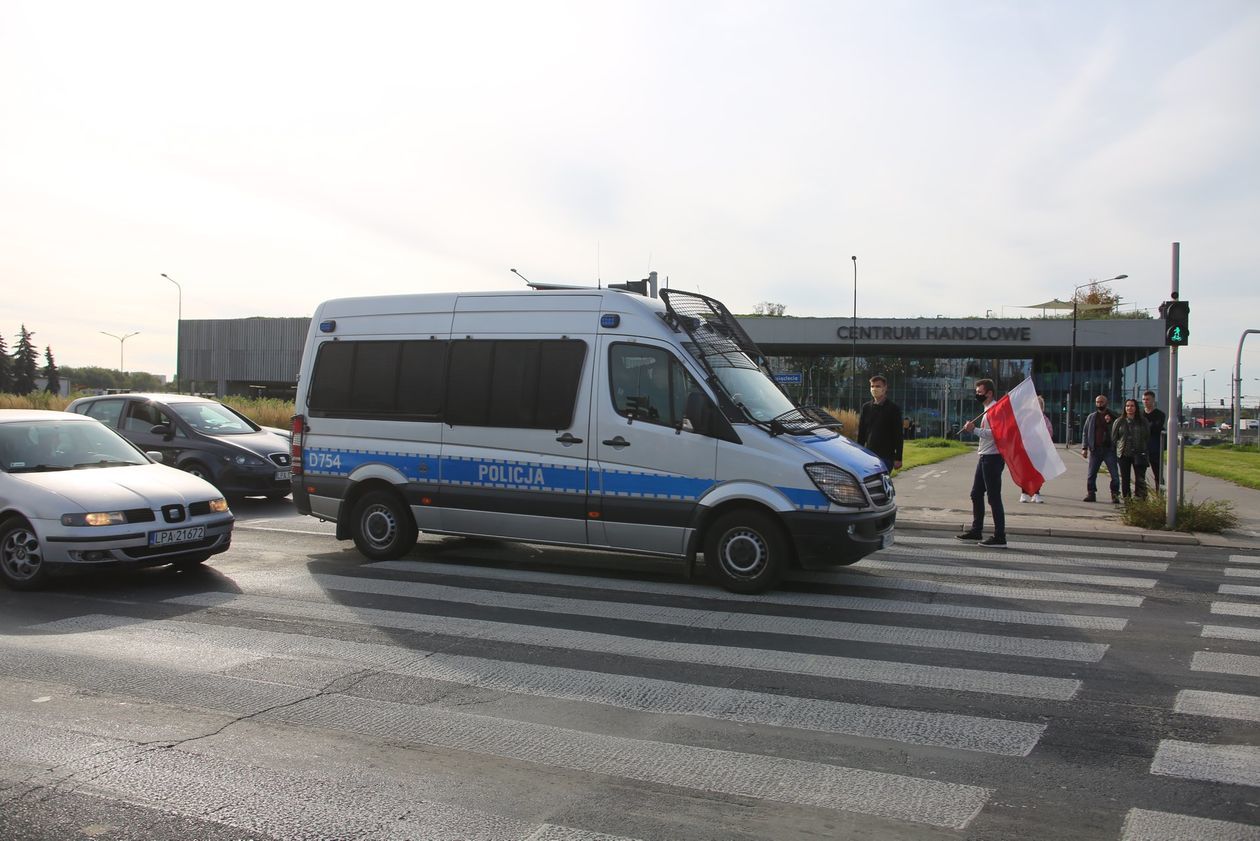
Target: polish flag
point(1019, 430)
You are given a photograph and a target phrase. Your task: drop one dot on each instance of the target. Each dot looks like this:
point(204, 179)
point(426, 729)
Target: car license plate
point(284, 475)
point(172, 536)
point(886, 540)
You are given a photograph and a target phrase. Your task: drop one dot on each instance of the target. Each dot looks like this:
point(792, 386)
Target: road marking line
point(793, 599)
point(553, 832)
point(997, 591)
point(1236, 609)
point(1218, 704)
point(722, 621)
point(1229, 632)
point(1242, 573)
point(1235, 764)
point(1238, 590)
point(632, 692)
point(1146, 825)
point(1226, 664)
point(840, 668)
point(782, 780)
point(1009, 574)
point(1022, 558)
point(1244, 559)
point(1048, 547)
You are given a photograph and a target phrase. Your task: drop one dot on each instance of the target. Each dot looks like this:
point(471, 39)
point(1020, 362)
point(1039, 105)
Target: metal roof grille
point(719, 339)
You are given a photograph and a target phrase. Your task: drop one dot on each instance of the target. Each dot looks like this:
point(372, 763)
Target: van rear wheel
point(382, 526)
point(746, 551)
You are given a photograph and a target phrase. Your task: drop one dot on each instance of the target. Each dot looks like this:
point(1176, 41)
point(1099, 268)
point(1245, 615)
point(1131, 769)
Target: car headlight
point(94, 518)
point(218, 506)
point(839, 486)
point(243, 460)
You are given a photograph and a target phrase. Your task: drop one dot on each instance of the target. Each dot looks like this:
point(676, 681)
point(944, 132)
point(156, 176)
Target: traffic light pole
point(1174, 412)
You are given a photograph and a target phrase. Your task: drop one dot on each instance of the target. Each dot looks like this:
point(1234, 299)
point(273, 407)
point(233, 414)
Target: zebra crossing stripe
point(1146, 825)
point(1233, 572)
point(839, 668)
point(1022, 558)
point(776, 598)
point(791, 781)
point(1227, 664)
point(1229, 632)
point(552, 832)
point(1238, 590)
point(1244, 559)
point(1235, 609)
point(1111, 551)
point(741, 622)
point(997, 591)
point(1218, 705)
point(1234, 764)
point(1011, 574)
point(127, 639)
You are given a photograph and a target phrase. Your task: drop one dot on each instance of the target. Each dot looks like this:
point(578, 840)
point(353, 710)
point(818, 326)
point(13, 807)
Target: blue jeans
point(988, 483)
point(1097, 457)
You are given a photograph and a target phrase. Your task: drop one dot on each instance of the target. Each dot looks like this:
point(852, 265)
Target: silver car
point(74, 493)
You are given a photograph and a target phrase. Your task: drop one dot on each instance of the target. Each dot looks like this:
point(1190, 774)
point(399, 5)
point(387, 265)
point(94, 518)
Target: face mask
point(981, 398)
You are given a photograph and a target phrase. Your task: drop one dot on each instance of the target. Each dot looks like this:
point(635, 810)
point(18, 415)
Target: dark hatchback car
point(204, 437)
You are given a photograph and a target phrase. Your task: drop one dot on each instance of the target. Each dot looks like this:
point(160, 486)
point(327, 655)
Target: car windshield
point(754, 393)
point(43, 446)
point(213, 418)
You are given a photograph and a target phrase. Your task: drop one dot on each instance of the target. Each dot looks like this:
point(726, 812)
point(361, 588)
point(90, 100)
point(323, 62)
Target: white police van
point(599, 418)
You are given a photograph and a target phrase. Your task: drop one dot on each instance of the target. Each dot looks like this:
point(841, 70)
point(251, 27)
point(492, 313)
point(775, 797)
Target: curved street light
point(179, 316)
point(1071, 412)
point(122, 340)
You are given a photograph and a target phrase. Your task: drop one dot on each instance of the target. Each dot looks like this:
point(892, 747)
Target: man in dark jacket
point(879, 425)
point(1097, 446)
point(1155, 419)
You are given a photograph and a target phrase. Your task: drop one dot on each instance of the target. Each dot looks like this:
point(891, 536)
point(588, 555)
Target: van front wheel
point(383, 527)
point(746, 551)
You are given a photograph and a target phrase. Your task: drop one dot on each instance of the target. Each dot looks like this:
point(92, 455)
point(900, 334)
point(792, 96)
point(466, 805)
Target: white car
point(75, 494)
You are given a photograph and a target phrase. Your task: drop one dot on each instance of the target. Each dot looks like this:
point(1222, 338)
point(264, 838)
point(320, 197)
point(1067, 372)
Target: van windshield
point(753, 392)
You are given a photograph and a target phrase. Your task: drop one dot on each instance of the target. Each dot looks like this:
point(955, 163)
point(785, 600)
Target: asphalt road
point(479, 690)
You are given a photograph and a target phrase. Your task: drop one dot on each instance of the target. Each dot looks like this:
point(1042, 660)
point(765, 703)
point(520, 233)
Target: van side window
point(379, 379)
point(649, 383)
point(522, 384)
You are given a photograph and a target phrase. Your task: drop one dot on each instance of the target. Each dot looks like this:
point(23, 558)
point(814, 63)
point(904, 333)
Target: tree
point(50, 373)
point(1096, 301)
point(770, 308)
point(24, 358)
point(6, 368)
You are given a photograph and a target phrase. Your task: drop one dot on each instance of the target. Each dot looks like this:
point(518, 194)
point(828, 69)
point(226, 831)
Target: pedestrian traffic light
point(1176, 322)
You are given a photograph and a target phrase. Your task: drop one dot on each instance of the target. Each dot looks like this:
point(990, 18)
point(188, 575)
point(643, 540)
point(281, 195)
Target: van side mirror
point(699, 412)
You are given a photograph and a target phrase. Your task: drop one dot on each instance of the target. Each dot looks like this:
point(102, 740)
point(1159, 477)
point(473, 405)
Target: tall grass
point(267, 411)
point(35, 400)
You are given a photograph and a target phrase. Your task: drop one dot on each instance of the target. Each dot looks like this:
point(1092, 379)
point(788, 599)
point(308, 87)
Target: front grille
point(139, 515)
point(141, 552)
point(878, 490)
point(281, 459)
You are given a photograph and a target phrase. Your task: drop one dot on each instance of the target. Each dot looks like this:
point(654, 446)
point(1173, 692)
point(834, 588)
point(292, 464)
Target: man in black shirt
point(1155, 419)
point(1097, 446)
point(879, 425)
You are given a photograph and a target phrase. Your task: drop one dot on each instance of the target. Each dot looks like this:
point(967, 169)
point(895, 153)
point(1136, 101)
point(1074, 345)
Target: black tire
point(383, 526)
point(198, 469)
point(746, 551)
point(277, 497)
point(190, 561)
point(21, 557)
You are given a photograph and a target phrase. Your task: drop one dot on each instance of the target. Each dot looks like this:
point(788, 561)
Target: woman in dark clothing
point(1130, 434)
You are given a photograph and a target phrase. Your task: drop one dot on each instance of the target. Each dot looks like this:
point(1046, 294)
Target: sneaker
point(994, 542)
point(1024, 497)
point(1090, 498)
point(1115, 499)
point(1037, 498)
point(969, 535)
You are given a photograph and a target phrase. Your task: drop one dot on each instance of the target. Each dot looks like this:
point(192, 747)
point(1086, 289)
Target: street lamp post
point(853, 343)
point(179, 316)
point(122, 340)
point(1209, 370)
point(1072, 363)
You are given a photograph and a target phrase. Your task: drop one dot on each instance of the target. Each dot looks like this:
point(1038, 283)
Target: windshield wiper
point(39, 468)
point(802, 419)
point(105, 463)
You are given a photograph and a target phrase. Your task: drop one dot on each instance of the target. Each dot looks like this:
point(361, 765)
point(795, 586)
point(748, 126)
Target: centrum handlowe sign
point(920, 333)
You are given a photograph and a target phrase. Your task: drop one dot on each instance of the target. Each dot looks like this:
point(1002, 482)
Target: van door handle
point(567, 438)
point(617, 443)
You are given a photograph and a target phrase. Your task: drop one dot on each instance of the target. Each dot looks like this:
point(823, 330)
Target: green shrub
point(1213, 516)
point(934, 442)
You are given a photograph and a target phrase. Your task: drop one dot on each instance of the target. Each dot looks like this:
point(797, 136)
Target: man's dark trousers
point(1098, 456)
point(988, 482)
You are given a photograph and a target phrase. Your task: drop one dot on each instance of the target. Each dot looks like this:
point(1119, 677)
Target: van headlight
point(94, 518)
point(839, 486)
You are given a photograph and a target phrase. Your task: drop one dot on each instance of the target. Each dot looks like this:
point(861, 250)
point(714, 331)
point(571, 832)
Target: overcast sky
point(974, 155)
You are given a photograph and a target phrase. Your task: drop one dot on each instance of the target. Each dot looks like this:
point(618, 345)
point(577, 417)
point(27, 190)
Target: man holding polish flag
point(1012, 433)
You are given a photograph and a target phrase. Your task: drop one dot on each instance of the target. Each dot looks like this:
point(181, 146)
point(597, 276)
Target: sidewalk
point(938, 496)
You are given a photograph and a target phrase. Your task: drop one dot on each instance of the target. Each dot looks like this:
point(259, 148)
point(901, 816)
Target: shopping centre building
point(930, 363)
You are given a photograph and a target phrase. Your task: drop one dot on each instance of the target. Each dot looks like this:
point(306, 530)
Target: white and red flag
point(1019, 430)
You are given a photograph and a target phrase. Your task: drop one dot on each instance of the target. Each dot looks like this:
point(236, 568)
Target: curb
point(1149, 536)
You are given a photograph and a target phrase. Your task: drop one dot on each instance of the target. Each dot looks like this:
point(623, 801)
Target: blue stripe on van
point(532, 475)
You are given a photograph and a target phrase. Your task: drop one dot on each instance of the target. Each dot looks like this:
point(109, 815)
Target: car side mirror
point(154, 455)
point(164, 429)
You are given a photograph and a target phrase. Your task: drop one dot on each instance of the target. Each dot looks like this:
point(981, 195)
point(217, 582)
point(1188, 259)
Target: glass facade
point(937, 393)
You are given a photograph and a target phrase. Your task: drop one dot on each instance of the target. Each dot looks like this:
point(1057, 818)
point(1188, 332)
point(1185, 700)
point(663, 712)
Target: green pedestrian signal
point(1176, 322)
